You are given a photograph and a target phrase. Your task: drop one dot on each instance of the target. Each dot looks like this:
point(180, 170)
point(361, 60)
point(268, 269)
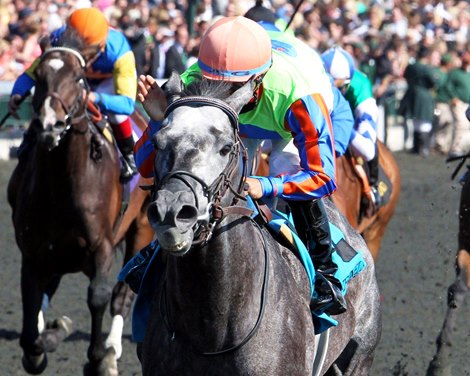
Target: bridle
point(214, 192)
point(70, 118)
point(215, 212)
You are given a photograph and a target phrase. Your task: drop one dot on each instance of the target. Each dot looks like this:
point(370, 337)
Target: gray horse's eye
point(226, 149)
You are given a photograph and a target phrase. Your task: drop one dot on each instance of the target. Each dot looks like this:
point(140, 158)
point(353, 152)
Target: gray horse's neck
point(214, 292)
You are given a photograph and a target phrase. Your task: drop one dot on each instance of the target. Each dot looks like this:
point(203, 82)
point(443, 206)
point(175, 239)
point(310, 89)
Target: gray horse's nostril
point(152, 213)
point(187, 214)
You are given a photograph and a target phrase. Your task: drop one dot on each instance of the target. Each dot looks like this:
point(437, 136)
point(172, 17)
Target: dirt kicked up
point(414, 268)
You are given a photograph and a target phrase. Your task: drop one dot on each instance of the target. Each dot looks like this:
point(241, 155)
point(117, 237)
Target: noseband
point(215, 191)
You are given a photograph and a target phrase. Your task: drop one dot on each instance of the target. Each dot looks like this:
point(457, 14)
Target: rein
point(250, 335)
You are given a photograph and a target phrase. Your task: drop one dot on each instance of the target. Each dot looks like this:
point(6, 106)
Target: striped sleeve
point(144, 151)
point(309, 122)
point(125, 82)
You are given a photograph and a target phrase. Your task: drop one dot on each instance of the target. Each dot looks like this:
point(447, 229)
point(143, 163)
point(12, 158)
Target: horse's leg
point(356, 358)
point(101, 361)
point(441, 364)
point(138, 236)
point(373, 236)
point(56, 331)
point(34, 358)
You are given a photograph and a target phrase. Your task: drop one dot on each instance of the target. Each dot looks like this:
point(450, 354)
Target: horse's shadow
point(9, 335)
point(77, 335)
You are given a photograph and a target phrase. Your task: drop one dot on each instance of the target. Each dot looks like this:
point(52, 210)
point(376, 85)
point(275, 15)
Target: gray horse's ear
point(242, 96)
point(173, 87)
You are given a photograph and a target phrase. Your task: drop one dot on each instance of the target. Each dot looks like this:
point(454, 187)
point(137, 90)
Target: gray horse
point(232, 300)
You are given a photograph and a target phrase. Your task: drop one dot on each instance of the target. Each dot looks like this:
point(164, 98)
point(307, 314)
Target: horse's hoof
point(55, 333)
point(106, 367)
point(34, 364)
point(64, 323)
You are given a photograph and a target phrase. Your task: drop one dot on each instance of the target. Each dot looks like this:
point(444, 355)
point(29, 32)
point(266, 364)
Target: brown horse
point(441, 364)
point(348, 198)
point(67, 203)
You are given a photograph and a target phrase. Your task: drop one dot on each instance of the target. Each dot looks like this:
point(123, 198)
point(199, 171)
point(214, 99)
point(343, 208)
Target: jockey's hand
point(152, 97)
point(92, 97)
point(255, 190)
point(14, 104)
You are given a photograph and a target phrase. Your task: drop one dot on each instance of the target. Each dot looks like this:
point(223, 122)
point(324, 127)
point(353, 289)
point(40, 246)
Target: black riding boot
point(373, 166)
point(311, 222)
point(129, 169)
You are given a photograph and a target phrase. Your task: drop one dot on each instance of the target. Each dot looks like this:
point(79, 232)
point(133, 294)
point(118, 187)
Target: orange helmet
point(234, 49)
point(91, 24)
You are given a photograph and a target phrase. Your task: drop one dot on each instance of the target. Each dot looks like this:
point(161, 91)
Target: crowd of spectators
point(384, 36)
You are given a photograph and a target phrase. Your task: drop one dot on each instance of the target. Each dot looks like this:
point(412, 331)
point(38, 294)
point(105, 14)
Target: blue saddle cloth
point(349, 261)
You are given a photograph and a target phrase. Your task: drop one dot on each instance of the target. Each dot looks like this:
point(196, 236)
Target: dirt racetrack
point(414, 269)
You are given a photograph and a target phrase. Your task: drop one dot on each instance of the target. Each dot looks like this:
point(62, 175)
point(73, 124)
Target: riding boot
point(311, 222)
point(129, 168)
point(373, 166)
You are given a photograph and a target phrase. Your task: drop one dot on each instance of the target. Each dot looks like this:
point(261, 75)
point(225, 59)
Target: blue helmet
point(338, 63)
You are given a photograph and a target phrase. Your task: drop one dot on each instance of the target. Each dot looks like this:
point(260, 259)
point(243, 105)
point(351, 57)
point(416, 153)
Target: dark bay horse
point(441, 364)
point(232, 300)
point(66, 200)
point(348, 198)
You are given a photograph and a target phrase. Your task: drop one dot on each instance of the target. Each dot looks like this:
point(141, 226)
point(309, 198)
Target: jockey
point(357, 89)
point(289, 103)
point(340, 111)
point(112, 77)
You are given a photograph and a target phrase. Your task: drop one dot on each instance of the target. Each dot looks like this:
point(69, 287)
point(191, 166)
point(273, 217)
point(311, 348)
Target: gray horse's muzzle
point(173, 215)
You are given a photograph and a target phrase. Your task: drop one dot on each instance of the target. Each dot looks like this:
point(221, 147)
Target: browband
point(204, 101)
point(77, 54)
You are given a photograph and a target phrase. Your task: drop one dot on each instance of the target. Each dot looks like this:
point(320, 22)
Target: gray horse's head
point(196, 147)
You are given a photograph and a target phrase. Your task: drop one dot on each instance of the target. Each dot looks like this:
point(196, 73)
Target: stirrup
point(376, 197)
point(329, 300)
point(128, 169)
point(373, 202)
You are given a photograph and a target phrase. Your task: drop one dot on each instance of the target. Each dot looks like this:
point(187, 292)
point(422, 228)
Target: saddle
point(100, 122)
point(104, 128)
